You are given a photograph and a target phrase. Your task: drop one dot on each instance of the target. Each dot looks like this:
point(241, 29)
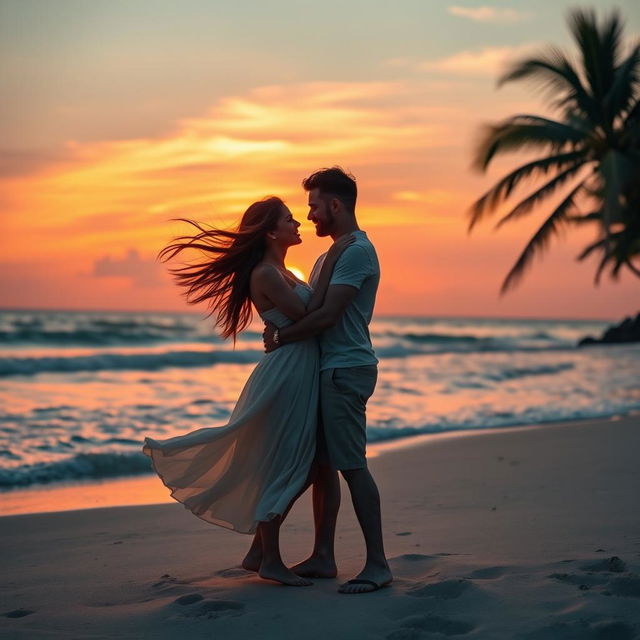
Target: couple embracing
point(301, 415)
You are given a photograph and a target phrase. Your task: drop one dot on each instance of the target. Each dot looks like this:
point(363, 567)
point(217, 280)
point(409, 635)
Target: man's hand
point(267, 337)
point(336, 249)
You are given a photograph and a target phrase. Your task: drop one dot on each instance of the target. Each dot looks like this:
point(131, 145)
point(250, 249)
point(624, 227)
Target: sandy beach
point(526, 533)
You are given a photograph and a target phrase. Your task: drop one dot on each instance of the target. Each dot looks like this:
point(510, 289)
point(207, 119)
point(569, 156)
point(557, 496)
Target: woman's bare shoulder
point(264, 271)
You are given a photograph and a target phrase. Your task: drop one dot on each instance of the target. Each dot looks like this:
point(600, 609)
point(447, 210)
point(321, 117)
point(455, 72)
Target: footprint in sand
point(412, 565)
point(18, 613)
point(189, 598)
point(416, 626)
point(598, 574)
point(445, 590)
point(613, 565)
point(488, 573)
point(165, 580)
point(193, 605)
point(234, 572)
point(580, 580)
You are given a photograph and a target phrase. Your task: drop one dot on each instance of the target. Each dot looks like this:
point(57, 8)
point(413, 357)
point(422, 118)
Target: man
point(348, 373)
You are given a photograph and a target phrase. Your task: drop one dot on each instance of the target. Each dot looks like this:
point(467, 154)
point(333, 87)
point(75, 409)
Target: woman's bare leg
point(272, 567)
point(253, 558)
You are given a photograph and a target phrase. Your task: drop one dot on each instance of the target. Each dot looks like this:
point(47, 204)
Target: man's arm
point(336, 300)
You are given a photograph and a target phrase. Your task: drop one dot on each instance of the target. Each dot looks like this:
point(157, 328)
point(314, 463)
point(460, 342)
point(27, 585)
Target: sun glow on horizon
point(298, 273)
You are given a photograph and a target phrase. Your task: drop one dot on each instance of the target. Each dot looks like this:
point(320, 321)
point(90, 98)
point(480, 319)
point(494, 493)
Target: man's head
point(332, 199)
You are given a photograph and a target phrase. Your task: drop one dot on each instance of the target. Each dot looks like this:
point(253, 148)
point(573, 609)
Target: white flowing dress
point(249, 470)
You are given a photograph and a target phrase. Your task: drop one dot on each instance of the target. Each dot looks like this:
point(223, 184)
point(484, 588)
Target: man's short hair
point(336, 183)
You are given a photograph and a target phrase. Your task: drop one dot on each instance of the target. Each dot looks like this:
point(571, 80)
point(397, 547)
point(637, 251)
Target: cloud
point(245, 147)
point(489, 61)
point(141, 273)
point(19, 162)
point(489, 14)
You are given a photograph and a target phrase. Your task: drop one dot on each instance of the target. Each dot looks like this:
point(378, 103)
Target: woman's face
point(286, 231)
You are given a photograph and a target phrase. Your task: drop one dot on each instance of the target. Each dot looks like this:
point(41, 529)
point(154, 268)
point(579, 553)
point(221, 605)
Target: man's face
point(320, 214)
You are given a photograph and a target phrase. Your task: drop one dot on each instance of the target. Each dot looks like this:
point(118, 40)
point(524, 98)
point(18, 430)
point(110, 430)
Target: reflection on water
point(81, 391)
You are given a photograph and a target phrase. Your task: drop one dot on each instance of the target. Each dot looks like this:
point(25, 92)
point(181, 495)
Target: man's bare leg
point(326, 504)
point(366, 503)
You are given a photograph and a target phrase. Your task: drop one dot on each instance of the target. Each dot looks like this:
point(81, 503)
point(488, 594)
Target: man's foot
point(316, 567)
point(280, 573)
point(252, 560)
point(370, 579)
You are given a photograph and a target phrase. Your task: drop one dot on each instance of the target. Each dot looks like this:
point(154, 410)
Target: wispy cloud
point(489, 14)
point(488, 61)
point(245, 147)
point(124, 193)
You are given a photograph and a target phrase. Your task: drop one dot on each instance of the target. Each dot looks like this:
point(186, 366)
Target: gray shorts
point(342, 436)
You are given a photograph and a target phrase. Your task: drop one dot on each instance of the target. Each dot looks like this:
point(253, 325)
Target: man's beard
point(324, 228)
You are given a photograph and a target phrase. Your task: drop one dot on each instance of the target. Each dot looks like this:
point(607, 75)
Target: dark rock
point(627, 331)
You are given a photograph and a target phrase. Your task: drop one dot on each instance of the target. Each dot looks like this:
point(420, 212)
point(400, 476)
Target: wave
point(95, 466)
point(436, 337)
point(120, 362)
point(523, 372)
point(29, 366)
point(82, 330)
point(403, 350)
point(497, 420)
point(80, 466)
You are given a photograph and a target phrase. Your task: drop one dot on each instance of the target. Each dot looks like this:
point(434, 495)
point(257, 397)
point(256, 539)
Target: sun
point(298, 273)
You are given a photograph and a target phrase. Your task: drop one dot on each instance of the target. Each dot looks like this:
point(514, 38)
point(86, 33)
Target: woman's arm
point(322, 284)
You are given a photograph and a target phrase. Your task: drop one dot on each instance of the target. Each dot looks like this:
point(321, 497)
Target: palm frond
point(599, 48)
point(589, 249)
point(522, 132)
point(503, 189)
point(624, 85)
point(594, 216)
point(631, 126)
point(540, 240)
point(538, 195)
point(555, 73)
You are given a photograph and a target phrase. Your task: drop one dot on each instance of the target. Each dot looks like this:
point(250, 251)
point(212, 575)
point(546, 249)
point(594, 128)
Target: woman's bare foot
point(316, 567)
point(252, 560)
point(280, 573)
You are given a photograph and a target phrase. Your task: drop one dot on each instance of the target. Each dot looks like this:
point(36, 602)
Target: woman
point(245, 475)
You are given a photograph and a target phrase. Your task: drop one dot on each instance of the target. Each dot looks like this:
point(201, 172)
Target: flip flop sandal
point(371, 583)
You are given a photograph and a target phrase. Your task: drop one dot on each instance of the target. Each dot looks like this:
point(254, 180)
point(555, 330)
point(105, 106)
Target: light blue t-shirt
point(348, 344)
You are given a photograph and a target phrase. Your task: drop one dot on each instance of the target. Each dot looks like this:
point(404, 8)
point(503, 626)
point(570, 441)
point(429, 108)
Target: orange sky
point(84, 213)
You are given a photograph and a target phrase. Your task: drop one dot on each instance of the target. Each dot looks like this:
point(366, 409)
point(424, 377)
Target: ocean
point(80, 390)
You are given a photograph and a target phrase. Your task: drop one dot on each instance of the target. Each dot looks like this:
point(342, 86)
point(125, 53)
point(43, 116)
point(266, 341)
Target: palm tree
point(590, 154)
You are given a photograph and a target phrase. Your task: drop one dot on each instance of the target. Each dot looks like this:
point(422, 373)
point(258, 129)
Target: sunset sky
point(118, 116)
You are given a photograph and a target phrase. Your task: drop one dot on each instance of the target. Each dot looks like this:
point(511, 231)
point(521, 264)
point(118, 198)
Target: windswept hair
point(334, 182)
point(222, 280)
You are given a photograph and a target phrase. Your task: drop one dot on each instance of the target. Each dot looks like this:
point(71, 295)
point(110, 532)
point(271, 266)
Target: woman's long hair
point(223, 279)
